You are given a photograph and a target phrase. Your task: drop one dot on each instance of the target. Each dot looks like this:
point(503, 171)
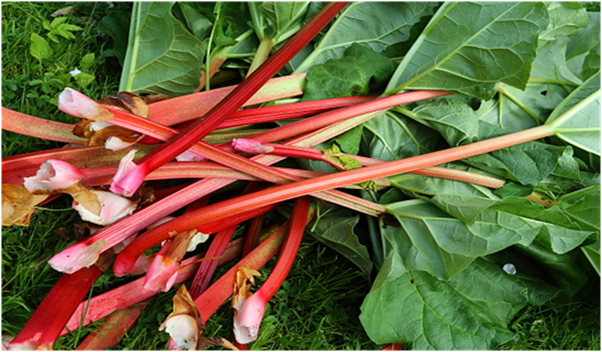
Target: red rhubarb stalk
point(253, 233)
point(210, 300)
point(249, 314)
point(16, 168)
point(223, 156)
point(47, 321)
point(76, 255)
point(134, 292)
point(129, 183)
point(196, 105)
point(207, 268)
point(127, 257)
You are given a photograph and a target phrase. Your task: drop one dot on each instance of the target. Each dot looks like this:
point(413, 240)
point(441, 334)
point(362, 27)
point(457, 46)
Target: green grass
point(318, 306)
point(574, 326)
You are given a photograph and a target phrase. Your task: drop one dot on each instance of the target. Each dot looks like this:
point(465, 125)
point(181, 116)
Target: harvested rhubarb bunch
point(299, 175)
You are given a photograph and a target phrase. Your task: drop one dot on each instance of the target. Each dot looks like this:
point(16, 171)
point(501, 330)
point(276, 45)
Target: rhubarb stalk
point(127, 257)
point(47, 321)
point(65, 262)
point(248, 314)
point(128, 184)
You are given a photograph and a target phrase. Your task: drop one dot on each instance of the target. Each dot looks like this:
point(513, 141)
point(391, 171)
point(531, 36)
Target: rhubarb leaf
point(116, 24)
point(277, 20)
point(577, 119)
point(413, 307)
point(470, 311)
point(527, 163)
point(376, 25)
point(559, 231)
point(592, 253)
point(462, 200)
point(360, 71)
point(162, 56)
point(455, 120)
point(336, 230)
point(566, 18)
point(583, 51)
point(583, 207)
point(566, 271)
point(430, 239)
point(515, 110)
point(551, 62)
point(391, 136)
point(194, 16)
point(469, 47)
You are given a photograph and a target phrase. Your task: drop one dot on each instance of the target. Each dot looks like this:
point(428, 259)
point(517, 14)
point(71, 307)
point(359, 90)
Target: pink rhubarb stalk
point(127, 257)
point(249, 313)
point(37, 127)
point(252, 146)
point(16, 168)
point(112, 329)
point(128, 184)
point(196, 105)
point(113, 234)
point(134, 292)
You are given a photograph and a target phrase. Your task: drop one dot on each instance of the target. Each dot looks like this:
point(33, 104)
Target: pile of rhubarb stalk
point(124, 149)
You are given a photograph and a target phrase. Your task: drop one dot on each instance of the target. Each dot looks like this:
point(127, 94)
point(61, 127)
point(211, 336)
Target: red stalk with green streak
point(129, 183)
point(126, 258)
point(250, 313)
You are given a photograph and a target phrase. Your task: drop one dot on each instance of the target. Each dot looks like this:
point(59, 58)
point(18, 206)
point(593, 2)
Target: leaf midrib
point(454, 52)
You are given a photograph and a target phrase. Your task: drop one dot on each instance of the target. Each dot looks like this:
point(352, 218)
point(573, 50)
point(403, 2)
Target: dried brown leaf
point(18, 205)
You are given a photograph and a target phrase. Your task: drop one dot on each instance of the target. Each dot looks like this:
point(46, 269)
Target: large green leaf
point(462, 200)
point(432, 240)
point(336, 230)
point(469, 47)
point(515, 110)
point(376, 25)
point(469, 312)
point(162, 56)
point(551, 62)
point(566, 18)
point(116, 24)
point(277, 20)
point(559, 231)
point(583, 51)
point(391, 136)
point(360, 71)
point(527, 163)
point(565, 271)
point(577, 119)
point(583, 206)
point(592, 253)
point(454, 119)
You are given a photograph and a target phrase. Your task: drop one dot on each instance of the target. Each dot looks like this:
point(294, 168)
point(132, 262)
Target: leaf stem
point(519, 103)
